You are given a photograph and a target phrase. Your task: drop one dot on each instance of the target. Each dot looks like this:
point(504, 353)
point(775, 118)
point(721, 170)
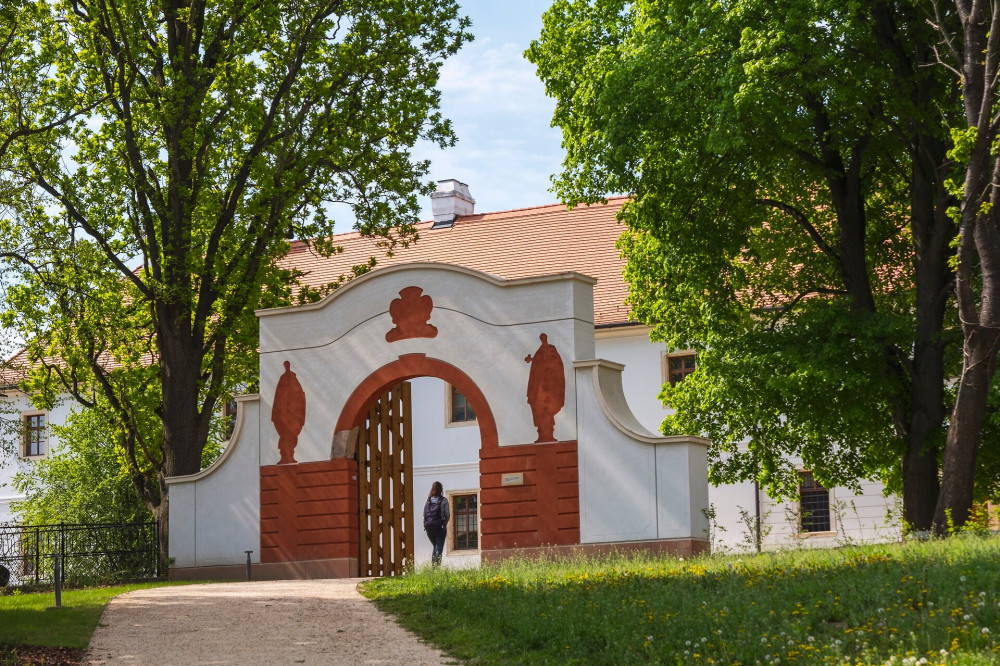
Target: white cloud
point(491, 80)
point(506, 150)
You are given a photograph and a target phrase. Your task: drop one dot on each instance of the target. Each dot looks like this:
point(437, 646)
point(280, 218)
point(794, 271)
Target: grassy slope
point(938, 600)
point(26, 619)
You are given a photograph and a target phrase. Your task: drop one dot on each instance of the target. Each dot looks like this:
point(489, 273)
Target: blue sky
point(506, 149)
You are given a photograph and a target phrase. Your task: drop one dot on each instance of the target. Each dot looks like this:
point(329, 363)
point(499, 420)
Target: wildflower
point(966, 617)
point(986, 630)
point(962, 578)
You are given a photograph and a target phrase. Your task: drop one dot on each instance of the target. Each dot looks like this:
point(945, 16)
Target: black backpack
point(432, 513)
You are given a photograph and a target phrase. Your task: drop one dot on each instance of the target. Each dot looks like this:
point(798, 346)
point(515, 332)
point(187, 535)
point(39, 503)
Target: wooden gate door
point(385, 481)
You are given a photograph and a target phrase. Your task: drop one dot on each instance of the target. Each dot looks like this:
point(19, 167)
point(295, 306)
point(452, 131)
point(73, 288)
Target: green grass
point(898, 604)
point(26, 619)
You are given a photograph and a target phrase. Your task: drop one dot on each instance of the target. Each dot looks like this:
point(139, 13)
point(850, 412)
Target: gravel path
point(280, 622)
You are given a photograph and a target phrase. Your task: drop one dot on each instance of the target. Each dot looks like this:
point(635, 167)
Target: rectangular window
point(814, 504)
point(679, 366)
point(465, 520)
point(35, 434)
point(461, 410)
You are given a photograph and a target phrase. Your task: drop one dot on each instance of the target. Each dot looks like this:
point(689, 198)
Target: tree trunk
point(964, 435)
point(931, 234)
point(161, 515)
point(181, 444)
point(186, 418)
point(978, 262)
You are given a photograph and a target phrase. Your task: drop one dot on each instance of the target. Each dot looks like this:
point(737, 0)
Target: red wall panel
point(309, 511)
point(545, 510)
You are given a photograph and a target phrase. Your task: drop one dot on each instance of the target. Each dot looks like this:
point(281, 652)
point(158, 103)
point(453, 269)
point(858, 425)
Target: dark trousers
point(437, 535)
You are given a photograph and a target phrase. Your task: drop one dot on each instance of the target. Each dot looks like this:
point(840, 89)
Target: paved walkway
point(282, 622)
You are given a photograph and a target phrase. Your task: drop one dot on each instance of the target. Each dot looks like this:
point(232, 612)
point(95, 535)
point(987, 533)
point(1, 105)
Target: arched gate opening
point(377, 417)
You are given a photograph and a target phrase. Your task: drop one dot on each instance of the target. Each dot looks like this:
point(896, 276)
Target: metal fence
point(89, 552)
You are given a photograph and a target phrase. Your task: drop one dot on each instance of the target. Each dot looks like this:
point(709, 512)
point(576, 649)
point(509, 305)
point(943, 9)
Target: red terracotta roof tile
point(524, 242)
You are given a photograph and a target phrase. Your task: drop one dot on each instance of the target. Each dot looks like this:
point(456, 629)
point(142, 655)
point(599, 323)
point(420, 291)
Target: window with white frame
point(465, 521)
point(458, 411)
point(35, 434)
point(676, 367)
point(814, 505)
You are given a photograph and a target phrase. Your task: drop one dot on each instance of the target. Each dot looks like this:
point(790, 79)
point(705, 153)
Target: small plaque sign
point(512, 479)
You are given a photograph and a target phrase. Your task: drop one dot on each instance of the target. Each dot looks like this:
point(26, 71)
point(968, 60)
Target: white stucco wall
point(11, 461)
point(854, 518)
point(443, 452)
point(215, 514)
point(642, 377)
point(634, 486)
point(485, 328)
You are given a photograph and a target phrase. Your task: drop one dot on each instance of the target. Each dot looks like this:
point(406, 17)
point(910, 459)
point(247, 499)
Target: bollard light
point(248, 562)
point(58, 572)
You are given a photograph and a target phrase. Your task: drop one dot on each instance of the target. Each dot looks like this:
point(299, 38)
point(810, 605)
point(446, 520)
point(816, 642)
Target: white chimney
point(451, 199)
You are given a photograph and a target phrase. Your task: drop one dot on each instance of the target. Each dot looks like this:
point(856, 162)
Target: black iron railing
point(89, 552)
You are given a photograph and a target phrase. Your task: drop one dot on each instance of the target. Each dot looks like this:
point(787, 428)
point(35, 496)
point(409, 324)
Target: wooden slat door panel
point(385, 480)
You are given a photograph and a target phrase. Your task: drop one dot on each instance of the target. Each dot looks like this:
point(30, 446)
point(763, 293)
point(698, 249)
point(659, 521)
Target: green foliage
point(807, 401)
point(155, 160)
point(936, 600)
point(763, 144)
point(86, 479)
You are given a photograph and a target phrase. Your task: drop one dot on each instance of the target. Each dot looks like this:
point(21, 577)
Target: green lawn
point(26, 619)
point(896, 604)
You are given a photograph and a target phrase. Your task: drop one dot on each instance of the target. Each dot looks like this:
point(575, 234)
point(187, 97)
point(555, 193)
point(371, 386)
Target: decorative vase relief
point(288, 413)
point(410, 313)
point(546, 388)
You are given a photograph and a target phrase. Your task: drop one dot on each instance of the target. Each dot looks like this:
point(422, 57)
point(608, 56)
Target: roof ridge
point(348, 235)
point(559, 204)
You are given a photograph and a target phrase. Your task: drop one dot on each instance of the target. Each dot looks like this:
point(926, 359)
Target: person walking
point(436, 515)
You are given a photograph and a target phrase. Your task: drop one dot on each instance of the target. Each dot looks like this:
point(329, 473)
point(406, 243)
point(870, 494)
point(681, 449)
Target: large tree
point(156, 157)
point(787, 163)
point(971, 50)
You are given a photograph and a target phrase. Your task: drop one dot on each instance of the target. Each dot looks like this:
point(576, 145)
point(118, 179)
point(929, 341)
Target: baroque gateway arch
point(317, 480)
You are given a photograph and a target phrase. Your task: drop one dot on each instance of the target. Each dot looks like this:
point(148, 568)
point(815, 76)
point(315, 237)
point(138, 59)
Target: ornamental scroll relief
point(410, 313)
